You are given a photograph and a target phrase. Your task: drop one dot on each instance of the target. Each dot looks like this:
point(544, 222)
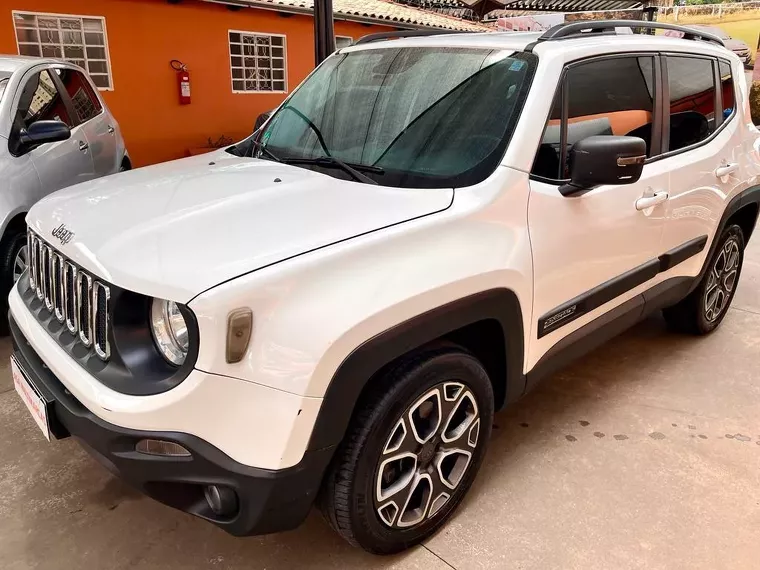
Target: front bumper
point(268, 500)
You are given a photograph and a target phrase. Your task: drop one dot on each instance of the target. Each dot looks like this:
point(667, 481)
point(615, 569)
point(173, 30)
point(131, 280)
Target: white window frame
point(109, 68)
point(284, 61)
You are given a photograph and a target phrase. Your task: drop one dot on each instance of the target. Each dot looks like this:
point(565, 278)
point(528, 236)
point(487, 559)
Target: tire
point(368, 479)
point(704, 309)
point(10, 247)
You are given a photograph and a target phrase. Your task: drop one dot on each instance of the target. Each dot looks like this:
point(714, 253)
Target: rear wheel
point(705, 307)
point(411, 452)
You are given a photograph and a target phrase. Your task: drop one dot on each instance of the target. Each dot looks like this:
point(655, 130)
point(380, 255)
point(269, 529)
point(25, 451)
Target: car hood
point(736, 45)
point(174, 230)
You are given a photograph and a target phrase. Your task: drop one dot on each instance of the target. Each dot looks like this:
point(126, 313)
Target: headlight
point(169, 330)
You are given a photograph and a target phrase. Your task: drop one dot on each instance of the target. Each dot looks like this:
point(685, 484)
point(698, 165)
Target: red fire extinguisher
point(183, 81)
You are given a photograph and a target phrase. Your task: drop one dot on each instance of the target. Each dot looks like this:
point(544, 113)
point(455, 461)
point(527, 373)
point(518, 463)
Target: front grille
point(71, 295)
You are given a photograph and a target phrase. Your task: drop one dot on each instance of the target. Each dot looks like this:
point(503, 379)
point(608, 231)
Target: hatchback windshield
point(427, 117)
point(3, 85)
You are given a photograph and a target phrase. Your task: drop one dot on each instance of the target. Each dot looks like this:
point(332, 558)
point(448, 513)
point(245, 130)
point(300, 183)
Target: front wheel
point(411, 452)
point(705, 307)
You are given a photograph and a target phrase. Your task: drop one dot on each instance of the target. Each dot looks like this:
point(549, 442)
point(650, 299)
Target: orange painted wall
point(144, 35)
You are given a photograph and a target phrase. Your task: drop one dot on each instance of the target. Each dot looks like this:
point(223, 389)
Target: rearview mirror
point(41, 132)
point(599, 160)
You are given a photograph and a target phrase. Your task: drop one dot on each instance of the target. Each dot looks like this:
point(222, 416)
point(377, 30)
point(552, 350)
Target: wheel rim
point(721, 280)
point(20, 263)
point(426, 455)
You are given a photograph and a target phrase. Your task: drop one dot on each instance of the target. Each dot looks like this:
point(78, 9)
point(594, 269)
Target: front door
point(595, 251)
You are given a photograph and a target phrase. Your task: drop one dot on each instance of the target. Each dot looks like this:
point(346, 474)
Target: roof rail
point(406, 34)
point(583, 28)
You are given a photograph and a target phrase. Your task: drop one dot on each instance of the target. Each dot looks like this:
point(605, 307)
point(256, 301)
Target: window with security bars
point(77, 39)
point(257, 62)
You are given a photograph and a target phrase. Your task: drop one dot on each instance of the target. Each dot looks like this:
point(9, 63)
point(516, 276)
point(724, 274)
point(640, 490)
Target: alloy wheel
point(20, 262)
point(426, 455)
point(721, 280)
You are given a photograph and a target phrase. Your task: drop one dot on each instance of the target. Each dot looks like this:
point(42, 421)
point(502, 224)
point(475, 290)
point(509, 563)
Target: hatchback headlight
point(169, 330)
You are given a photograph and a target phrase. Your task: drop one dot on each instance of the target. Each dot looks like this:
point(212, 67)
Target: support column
point(324, 31)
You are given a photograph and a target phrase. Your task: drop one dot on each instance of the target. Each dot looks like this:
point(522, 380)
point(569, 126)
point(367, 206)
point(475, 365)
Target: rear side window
point(85, 101)
point(613, 96)
point(727, 84)
point(691, 83)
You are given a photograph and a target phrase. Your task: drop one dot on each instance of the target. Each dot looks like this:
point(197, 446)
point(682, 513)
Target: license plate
point(31, 397)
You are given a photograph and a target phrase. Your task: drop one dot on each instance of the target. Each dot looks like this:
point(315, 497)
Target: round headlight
point(169, 330)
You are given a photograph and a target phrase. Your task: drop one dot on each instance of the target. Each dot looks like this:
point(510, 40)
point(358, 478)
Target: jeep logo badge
point(63, 234)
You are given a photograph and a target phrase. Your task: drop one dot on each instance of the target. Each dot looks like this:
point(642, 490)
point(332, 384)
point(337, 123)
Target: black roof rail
point(579, 29)
point(406, 34)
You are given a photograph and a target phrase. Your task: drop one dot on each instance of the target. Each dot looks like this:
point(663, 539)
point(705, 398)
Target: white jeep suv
point(426, 227)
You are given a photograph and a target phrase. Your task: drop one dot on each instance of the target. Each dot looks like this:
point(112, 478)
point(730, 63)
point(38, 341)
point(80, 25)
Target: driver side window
point(611, 96)
point(41, 101)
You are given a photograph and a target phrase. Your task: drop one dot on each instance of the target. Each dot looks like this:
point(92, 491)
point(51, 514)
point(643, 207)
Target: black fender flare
point(358, 369)
point(746, 197)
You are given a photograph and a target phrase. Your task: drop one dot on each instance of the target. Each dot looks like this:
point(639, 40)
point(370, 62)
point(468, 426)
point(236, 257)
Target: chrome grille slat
point(29, 259)
point(57, 283)
point(47, 281)
point(100, 308)
point(73, 297)
point(38, 267)
point(84, 308)
point(69, 297)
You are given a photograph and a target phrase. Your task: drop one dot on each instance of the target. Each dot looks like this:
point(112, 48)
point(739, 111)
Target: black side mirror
point(601, 160)
point(41, 132)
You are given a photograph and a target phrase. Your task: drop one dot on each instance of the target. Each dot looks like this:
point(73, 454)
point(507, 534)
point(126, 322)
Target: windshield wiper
point(263, 150)
point(332, 162)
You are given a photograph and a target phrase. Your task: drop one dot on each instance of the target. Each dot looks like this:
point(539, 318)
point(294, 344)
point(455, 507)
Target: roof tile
point(381, 11)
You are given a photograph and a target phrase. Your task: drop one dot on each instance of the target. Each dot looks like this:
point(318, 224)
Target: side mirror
point(41, 132)
point(599, 160)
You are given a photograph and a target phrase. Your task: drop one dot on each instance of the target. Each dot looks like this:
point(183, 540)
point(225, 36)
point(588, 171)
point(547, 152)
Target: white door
point(95, 122)
point(705, 154)
point(594, 251)
point(58, 164)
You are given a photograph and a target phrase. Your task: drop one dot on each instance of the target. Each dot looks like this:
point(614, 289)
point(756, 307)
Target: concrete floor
point(645, 454)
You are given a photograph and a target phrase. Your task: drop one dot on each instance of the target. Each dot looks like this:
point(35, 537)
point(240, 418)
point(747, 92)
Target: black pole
point(324, 30)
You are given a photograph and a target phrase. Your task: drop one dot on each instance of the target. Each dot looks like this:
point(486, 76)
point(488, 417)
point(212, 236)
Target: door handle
point(110, 129)
point(725, 170)
point(648, 201)
point(83, 146)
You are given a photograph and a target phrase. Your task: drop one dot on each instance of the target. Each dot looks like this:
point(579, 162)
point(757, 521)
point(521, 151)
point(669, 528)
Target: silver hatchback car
point(55, 131)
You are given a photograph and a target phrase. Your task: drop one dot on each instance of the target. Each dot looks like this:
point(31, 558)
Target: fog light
point(222, 500)
point(160, 447)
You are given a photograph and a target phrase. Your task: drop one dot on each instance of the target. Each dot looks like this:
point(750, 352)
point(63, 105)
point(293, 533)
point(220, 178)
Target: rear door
point(58, 164)
point(703, 150)
point(94, 120)
point(596, 251)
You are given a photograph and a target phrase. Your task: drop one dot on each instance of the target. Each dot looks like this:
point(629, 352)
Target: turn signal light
point(160, 447)
point(239, 327)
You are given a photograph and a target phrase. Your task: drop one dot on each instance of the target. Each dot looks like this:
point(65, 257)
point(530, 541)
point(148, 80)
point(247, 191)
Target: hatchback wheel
point(20, 262)
point(411, 452)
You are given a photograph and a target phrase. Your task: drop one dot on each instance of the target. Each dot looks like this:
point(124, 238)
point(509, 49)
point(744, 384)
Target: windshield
point(3, 85)
point(427, 117)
